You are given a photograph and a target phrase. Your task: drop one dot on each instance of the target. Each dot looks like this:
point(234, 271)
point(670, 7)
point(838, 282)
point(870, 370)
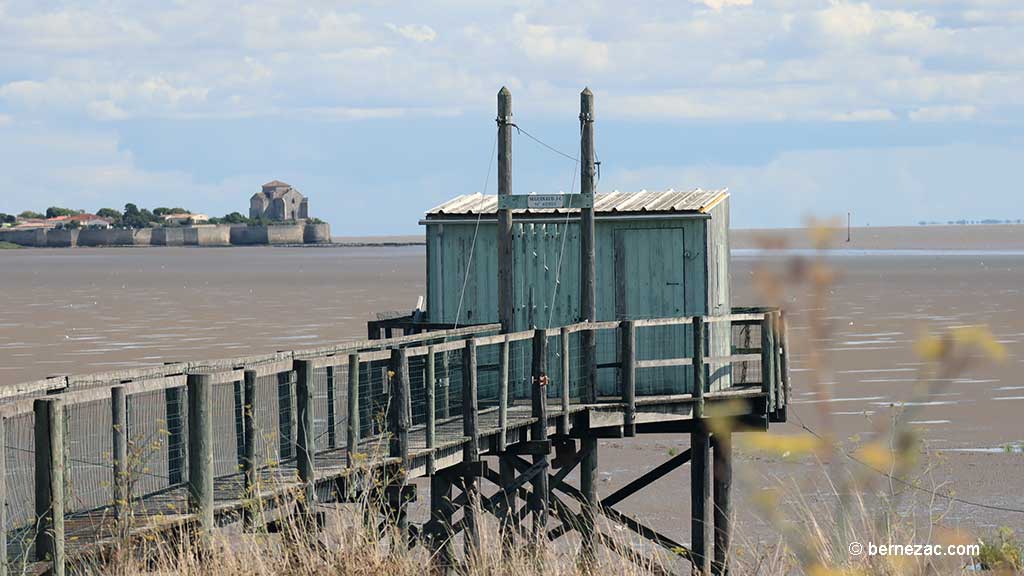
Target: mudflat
point(85, 310)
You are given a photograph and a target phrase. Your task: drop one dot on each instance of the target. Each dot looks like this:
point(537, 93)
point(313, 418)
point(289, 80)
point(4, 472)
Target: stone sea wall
point(219, 235)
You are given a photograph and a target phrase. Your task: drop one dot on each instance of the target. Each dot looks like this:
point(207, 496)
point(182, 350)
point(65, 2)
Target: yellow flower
point(875, 455)
point(783, 445)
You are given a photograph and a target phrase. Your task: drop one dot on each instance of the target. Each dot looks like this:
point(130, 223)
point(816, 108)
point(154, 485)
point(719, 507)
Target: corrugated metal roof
point(671, 201)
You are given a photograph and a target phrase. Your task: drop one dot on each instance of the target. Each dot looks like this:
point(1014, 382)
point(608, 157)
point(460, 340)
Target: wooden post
point(506, 467)
point(628, 355)
point(175, 436)
point(699, 370)
point(503, 394)
point(700, 465)
point(505, 265)
point(441, 519)
point(591, 504)
point(239, 405)
point(471, 450)
point(352, 436)
point(200, 452)
point(784, 363)
point(399, 422)
point(305, 442)
point(286, 418)
point(49, 476)
point(768, 360)
point(430, 381)
point(119, 445)
point(563, 422)
point(723, 501)
point(588, 266)
point(249, 467)
point(539, 502)
point(3, 497)
point(332, 430)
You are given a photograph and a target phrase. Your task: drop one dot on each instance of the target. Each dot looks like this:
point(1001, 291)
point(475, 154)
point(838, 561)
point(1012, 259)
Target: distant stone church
point(277, 202)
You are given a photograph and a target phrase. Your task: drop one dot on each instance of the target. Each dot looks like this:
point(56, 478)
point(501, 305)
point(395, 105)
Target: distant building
point(185, 218)
point(77, 220)
point(278, 201)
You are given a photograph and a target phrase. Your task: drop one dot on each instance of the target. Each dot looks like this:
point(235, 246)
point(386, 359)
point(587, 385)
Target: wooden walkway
point(441, 449)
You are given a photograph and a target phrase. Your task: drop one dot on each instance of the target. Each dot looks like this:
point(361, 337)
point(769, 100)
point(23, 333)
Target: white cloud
point(6, 120)
point(717, 5)
point(943, 113)
point(414, 32)
point(869, 115)
point(771, 60)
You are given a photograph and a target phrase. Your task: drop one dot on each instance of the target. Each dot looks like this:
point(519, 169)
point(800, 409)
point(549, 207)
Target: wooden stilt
point(723, 501)
point(589, 509)
point(352, 416)
point(399, 422)
point(539, 431)
point(700, 471)
point(471, 451)
point(441, 522)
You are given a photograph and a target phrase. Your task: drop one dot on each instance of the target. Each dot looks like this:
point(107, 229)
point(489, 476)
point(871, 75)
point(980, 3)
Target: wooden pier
point(197, 446)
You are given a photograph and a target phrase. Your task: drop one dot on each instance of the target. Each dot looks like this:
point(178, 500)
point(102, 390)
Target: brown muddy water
point(86, 310)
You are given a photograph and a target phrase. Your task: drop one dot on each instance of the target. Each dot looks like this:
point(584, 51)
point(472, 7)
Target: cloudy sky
point(896, 110)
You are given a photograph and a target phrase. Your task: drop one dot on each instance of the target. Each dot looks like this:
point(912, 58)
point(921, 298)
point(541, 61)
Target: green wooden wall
point(665, 261)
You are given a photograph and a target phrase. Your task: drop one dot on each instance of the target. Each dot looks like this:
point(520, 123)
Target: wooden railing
point(394, 387)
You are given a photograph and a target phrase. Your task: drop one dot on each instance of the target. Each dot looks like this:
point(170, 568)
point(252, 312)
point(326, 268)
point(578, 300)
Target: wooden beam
point(647, 479)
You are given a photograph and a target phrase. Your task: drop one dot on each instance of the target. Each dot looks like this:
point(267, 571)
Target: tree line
point(131, 217)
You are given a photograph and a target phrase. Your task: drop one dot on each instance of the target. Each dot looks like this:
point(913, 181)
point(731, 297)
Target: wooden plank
point(663, 363)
